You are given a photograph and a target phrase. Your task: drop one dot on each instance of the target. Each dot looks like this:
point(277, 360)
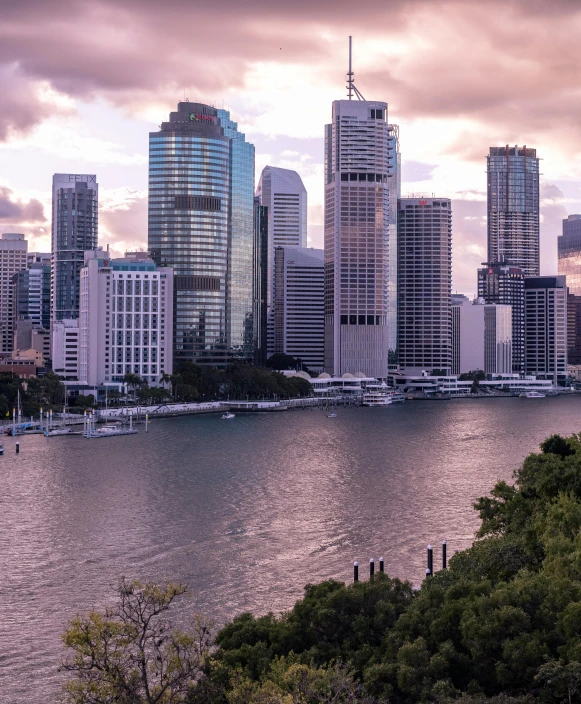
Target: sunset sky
point(83, 83)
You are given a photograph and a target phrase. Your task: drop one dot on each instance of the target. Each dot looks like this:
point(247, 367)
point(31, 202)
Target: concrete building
point(298, 311)
point(75, 199)
point(31, 295)
point(503, 284)
point(27, 335)
point(201, 224)
point(65, 348)
point(260, 283)
point(126, 319)
point(361, 190)
point(424, 283)
point(573, 329)
point(546, 327)
point(13, 258)
point(513, 207)
point(481, 338)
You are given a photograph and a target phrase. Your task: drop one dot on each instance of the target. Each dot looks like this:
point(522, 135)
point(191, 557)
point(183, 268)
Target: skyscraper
point(503, 284)
point(75, 199)
point(424, 243)
point(260, 282)
point(569, 252)
point(201, 223)
point(31, 295)
point(360, 166)
point(513, 207)
point(283, 193)
point(13, 258)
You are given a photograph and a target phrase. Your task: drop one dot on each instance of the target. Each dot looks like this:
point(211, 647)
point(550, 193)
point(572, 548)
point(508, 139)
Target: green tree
point(85, 401)
point(131, 653)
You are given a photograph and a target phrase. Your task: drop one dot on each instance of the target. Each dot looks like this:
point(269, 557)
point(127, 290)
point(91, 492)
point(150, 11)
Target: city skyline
point(83, 117)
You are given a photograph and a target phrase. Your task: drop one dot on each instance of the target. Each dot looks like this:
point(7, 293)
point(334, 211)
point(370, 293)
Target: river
point(245, 512)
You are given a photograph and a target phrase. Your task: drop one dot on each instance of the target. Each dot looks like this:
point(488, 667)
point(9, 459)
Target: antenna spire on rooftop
point(351, 87)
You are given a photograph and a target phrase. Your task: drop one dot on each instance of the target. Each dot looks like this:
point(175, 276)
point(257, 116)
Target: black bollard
point(381, 564)
point(17, 447)
point(443, 554)
point(431, 559)
point(371, 569)
point(355, 571)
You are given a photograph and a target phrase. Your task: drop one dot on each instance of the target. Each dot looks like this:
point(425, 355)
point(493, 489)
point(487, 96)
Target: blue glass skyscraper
point(201, 205)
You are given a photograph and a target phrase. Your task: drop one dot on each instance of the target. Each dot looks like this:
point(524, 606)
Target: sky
point(84, 82)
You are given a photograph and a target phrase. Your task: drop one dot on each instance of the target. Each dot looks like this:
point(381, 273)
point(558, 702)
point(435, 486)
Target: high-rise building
point(481, 338)
point(31, 295)
point(125, 326)
point(260, 282)
point(361, 181)
point(513, 207)
point(298, 310)
point(424, 243)
point(75, 200)
point(201, 224)
point(573, 328)
point(503, 284)
point(546, 326)
point(569, 252)
point(65, 348)
point(13, 257)
point(283, 193)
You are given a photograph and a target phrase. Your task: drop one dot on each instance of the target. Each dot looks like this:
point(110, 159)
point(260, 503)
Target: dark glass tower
point(75, 200)
point(201, 223)
point(513, 207)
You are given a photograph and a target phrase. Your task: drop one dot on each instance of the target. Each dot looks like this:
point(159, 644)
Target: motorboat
point(107, 431)
point(1, 449)
point(331, 415)
point(397, 397)
point(228, 416)
point(533, 394)
point(57, 431)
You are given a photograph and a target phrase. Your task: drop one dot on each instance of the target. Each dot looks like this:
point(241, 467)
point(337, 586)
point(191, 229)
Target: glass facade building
point(513, 207)
point(201, 223)
point(569, 251)
point(75, 199)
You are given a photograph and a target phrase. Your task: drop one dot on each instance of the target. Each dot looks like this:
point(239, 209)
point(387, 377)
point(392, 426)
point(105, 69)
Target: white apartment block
point(13, 258)
point(481, 338)
point(299, 300)
point(65, 348)
point(126, 318)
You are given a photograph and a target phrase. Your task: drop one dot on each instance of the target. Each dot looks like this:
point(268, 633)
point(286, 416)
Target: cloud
point(123, 219)
point(15, 211)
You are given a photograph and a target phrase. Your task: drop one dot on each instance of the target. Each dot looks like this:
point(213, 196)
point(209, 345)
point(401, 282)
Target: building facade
point(503, 284)
point(126, 320)
point(283, 193)
point(424, 283)
point(546, 327)
point(573, 328)
point(569, 253)
point(65, 348)
point(260, 283)
point(31, 295)
point(13, 258)
point(298, 310)
point(361, 175)
point(201, 224)
point(75, 201)
point(513, 207)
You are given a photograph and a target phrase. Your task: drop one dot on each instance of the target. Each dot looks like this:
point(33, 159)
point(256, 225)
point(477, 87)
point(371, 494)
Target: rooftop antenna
point(351, 87)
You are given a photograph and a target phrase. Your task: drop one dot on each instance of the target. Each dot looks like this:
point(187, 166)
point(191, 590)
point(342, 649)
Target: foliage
point(85, 401)
point(282, 362)
point(474, 375)
point(47, 392)
point(131, 653)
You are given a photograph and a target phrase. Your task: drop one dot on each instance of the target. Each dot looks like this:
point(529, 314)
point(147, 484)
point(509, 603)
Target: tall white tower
point(361, 188)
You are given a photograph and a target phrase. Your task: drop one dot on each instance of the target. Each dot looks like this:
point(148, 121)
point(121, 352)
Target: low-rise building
point(65, 349)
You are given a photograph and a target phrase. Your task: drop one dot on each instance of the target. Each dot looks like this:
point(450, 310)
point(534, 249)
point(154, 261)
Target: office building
point(481, 338)
point(283, 193)
point(569, 253)
point(573, 328)
point(31, 295)
point(75, 199)
point(513, 207)
point(29, 336)
point(361, 181)
point(201, 224)
point(260, 282)
point(126, 320)
point(546, 327)
point(65, 348)
point(503, 284)
point(298, 310)
point(424, 283)
point(13, 258)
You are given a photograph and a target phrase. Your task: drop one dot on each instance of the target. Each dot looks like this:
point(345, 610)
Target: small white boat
point(57, 431)
point(228, 416)
point(108, 431)
point(331, 415)
point(1, 449)
point(534, 394)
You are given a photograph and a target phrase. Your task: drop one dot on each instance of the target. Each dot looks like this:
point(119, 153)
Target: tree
point(85, 401)
point(131, 653)
point(282, 362)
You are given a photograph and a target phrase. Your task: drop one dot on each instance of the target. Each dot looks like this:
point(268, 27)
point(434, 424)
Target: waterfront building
point(75, 199)
point(546, 326)
point(284, 194)
point(201, 224)
point(569, 253)
point(513, 207)
point(424, 283)
point(65, 348)
point(13, 258)
point(126, 319)
point(429, 385)
point(481, 338)
point(503, 284)
point(260, 282)
point(298, 310)
point(361, 191)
